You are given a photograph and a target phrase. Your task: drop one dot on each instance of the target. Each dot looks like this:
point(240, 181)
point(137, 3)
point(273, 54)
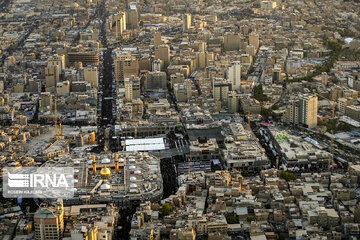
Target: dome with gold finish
point(105, 173)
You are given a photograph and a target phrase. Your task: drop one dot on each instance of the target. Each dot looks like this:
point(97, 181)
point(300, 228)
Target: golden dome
point(105, 172)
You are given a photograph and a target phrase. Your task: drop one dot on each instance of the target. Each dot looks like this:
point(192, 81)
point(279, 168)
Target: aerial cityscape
point(179, 119)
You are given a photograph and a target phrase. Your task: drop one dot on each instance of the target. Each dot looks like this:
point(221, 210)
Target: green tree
point(266, 113)
point(287, 176)
point(250, 218)
point(259, 94)
point(166, 209)
point(280, 234)
point(232, 219)
point(274, 107)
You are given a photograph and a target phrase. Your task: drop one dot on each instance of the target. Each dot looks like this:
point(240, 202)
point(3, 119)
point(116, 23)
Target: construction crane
point(248, 119)
point(60, 133)
point(55, 115)
point(331, 160)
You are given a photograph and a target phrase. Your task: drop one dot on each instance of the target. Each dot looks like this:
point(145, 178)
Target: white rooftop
point(147, 144)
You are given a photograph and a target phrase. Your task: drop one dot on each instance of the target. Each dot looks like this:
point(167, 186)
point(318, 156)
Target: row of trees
point(336, 49)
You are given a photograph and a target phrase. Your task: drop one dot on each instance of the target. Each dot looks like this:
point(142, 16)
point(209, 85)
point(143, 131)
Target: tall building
point(186, 22)
point(132, 18)
point(132, 88)
point(292, 112)
point(52, 77)
point(276, 75)
point(57, 60)
point(155, 81)
point(120, 24)
point(200, 60)
point(232, 41)
point(162, 52)
point(220, 89)
point(254, 40)
point(342, 103)
point(324, 78)
point(91, 76)
point(308, 109)
point(49, 222)
point(157, 39)
point(128, 89)
point(84, 57)
point(250, 49)
point(46, 100)
point(234, 76)
point(183, 91)
point(176, 78)
point(125, 66)
point(157, 65)
point(233, 102)
point(302, 110)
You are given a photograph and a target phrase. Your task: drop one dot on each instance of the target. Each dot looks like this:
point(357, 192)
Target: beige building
point(132, 88)
point(162, 52)
point(183, 91)
point(232, 41)
point(353, 112)
point(120, 25)
point(183, 69)
point(234, 76)
point(267, 5)
point(221, 89)
point(342, 103)
point(155, 81)
point(233, 102)
point(125, 67)
point(49, 222)
point(57, 60)
point(46, 100)
point(254, 40)
point(204, 149)
point(157, 39)
point(91, 76)
point(250, 105)
point(302, 110)
point(186, 22)
point(292, 112)
point(250, 49)
point(52, 77)
point(176, 78)
point(308, 109)
point(132, 19)
point(63, 88)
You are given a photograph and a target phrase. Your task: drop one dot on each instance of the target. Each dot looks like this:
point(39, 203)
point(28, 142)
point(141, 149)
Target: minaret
point(60, 133)
point(94, 165)
point(116, 163)
point(92, 137)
